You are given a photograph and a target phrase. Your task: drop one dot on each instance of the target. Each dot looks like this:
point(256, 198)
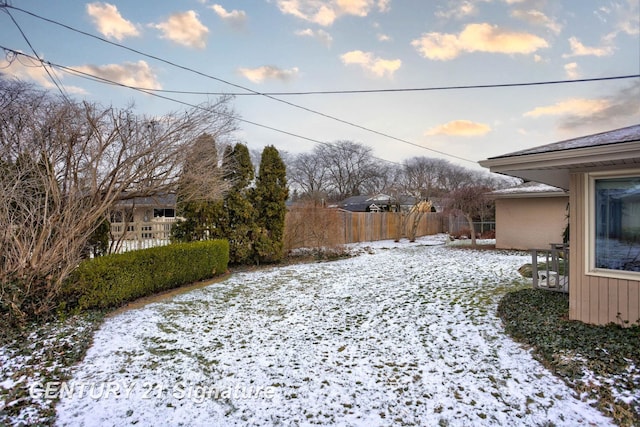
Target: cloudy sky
point(300, 46)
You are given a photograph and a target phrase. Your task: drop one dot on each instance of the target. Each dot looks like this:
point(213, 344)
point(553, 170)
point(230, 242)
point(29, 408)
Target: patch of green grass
point(578, 352)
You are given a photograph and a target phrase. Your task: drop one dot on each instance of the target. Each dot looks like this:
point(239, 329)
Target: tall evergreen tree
point(269, 197)
point(199, 211)
point(237, 221)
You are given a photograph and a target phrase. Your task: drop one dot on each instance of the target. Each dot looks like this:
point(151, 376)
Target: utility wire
point(182, 67)
point(111, 82)
point(418, 89)
point(51, 76)
point(272, 97)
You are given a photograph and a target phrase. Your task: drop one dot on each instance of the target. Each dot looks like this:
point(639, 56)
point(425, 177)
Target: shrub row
point(113, 280)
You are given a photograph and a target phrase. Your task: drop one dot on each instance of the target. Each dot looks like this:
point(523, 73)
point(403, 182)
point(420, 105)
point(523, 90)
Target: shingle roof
point(617, 136)
point(157, 200)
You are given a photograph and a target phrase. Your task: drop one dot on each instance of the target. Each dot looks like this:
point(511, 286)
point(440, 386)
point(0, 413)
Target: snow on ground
point(404, 334)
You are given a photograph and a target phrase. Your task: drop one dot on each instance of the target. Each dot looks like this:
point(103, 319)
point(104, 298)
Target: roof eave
point(553, 167)
point(564, 158)
point(528, 195)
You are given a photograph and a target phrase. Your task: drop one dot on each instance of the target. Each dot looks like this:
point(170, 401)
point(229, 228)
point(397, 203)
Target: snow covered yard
point(401, 335)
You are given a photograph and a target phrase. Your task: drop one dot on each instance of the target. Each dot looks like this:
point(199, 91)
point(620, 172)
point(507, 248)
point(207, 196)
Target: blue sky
point(346, 45)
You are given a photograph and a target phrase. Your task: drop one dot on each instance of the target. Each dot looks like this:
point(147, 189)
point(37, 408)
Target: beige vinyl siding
point(530, 222)
point(595, 299)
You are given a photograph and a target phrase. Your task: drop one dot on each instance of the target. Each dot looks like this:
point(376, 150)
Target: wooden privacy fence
point(308, 227)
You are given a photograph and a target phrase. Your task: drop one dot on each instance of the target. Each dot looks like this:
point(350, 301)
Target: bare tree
point(308, 173)
point(64, 167)
point(470, 201)
point(338, 170)
point(383, 178)
point(421, 176)
point(349, 166)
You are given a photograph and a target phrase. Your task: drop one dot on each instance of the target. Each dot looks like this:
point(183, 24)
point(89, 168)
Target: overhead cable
point(111, 82)
point(200, 73)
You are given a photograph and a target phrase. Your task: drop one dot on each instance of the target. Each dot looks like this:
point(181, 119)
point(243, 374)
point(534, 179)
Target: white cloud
point(27, 69)
point(268, 72)
point(384, 5)
point(536, 17)
point(578, 49)
point(460, 128)
point(460, 10)
point(619, 109)
point(580, 107)
point(354, 7)
point(321, 35)
point(135, 74)
point(572, 70)
point(383, 38)
point(236, 18)
point(477, 38)
point(109, 22)
point(325, 12)
point(629, 18)
point(377, 67)
point(308, 10)
point(624, 14)
point(184, 28)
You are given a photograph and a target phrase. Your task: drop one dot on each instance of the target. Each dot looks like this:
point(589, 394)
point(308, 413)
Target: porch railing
point(550, 268)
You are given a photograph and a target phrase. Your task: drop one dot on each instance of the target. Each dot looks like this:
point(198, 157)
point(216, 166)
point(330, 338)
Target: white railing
point(141, 234)
point(134, 245)
point(554, 275)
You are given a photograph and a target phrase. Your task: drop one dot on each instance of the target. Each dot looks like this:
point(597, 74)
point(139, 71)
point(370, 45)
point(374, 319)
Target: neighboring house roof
point(355, 203)
point(552, 163)
point(527, 190)
point(151, 201)
point(361, 203)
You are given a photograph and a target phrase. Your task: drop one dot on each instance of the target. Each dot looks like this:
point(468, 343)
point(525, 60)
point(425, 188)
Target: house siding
point(595, 299)
point(530, 223)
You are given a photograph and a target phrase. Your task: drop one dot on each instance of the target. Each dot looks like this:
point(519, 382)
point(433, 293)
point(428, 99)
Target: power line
point(272, 95)
point(240, 86)
point(111, 82)
point(418, 89)
point(26, 39)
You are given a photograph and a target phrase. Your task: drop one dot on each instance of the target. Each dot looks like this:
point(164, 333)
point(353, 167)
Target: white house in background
point(146, 220)
point(530, 215)
point(601, 172)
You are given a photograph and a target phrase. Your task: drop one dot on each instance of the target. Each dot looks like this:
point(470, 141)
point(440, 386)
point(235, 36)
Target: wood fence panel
point(308, 227)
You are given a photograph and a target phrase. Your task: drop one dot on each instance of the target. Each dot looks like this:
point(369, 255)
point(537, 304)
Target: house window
point(125, 215)
point(167, 213)
point(116, 216)
point(616, 239)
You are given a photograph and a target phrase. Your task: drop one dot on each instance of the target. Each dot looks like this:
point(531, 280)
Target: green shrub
point(113, 280)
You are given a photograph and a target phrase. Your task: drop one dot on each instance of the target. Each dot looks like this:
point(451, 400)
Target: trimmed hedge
point(113, 280)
